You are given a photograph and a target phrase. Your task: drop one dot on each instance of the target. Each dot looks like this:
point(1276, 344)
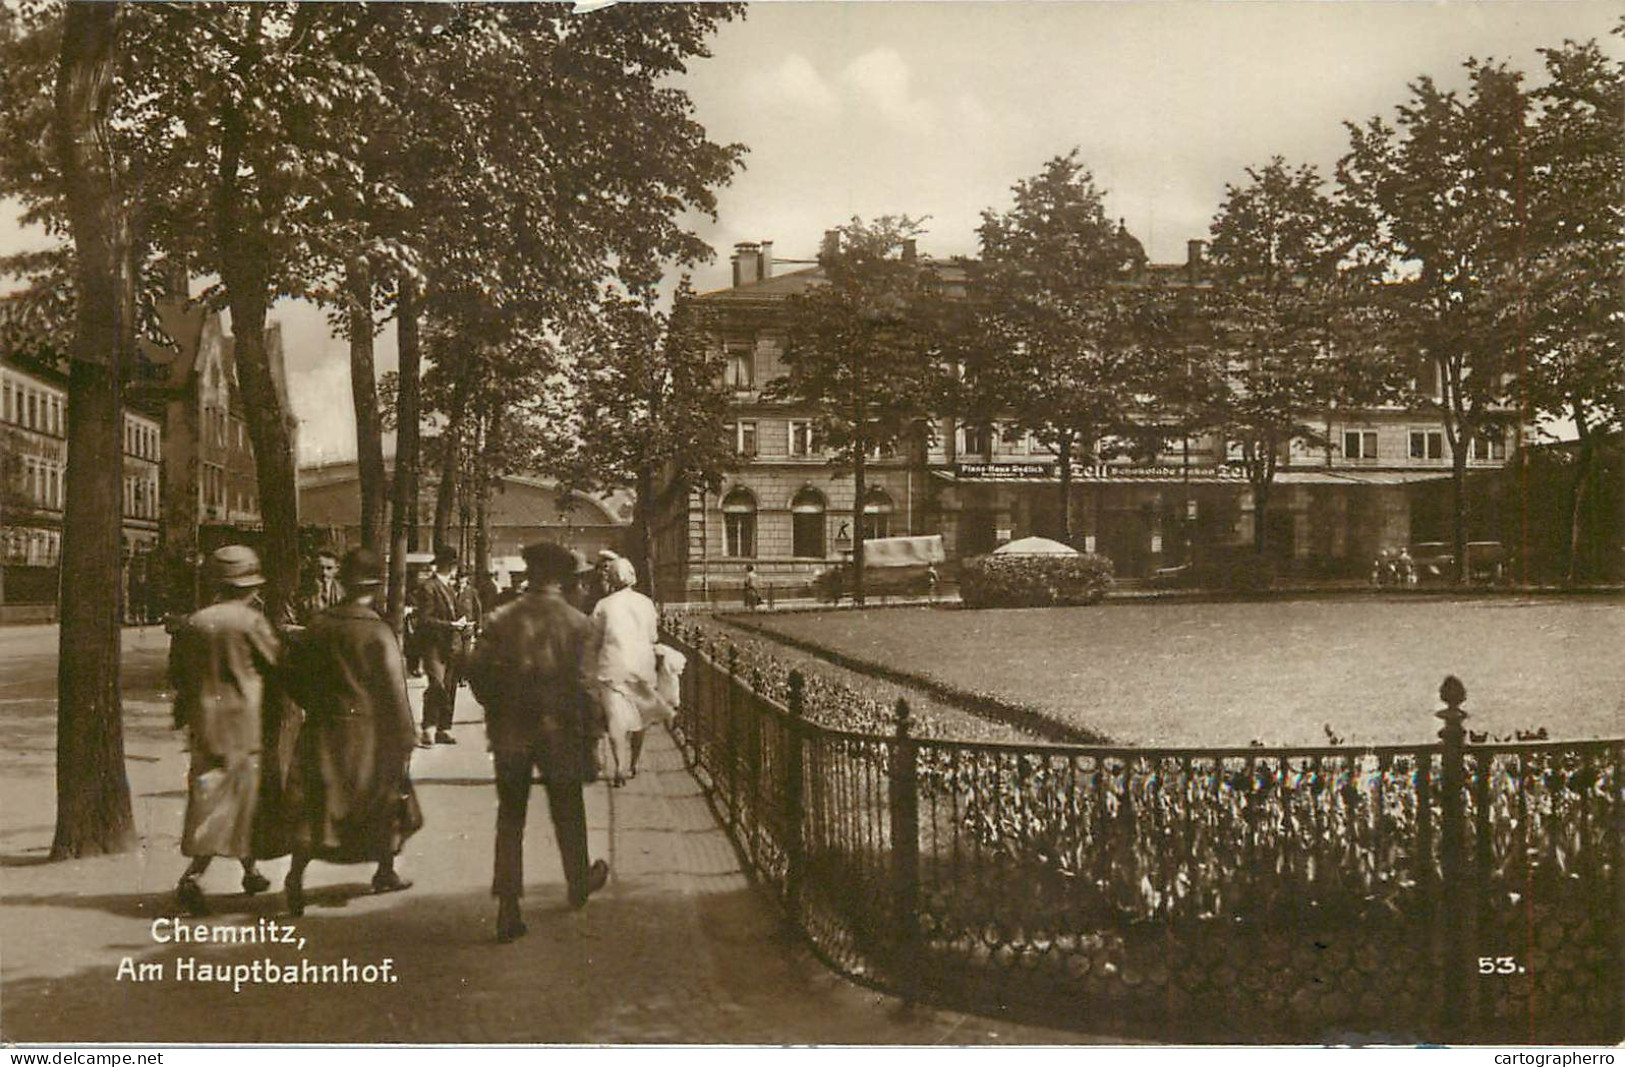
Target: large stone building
point(788, 514)
point(33, 491)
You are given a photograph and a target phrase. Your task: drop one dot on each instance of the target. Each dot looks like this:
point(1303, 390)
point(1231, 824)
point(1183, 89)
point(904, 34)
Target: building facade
point(788, 514)
point(33, 492)
point(210, 488)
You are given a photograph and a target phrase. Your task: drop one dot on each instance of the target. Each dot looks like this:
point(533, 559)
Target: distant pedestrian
point(468, 607)
point(325, 590)
point(440, 640)
point(486, 589)
point(621, 667)
point(220, 661)
point(581, 584)
point(538, 717)
point(352, 799)
point(753, 590)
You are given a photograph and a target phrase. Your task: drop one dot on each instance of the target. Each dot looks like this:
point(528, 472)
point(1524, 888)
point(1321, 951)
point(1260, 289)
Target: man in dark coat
point(221, 657)
point(352, 798)
point(470, 608)
point(527, 672)
point(440, 639)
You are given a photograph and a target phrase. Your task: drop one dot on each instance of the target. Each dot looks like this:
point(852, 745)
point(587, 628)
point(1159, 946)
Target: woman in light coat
point(620, 666)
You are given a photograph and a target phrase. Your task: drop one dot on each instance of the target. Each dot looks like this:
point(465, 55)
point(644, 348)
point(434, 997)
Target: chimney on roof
point(747, 263)
point(1193, 257)
point(911, 250)
point(764, 269)
point(831, 245)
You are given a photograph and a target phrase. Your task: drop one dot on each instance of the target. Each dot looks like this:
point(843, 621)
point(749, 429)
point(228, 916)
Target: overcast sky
point(936, 109)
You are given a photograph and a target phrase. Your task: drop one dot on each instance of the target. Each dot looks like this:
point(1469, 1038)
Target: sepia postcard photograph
point(650, 524)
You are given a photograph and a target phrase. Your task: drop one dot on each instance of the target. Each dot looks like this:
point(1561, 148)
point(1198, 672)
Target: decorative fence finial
point(1454, 694)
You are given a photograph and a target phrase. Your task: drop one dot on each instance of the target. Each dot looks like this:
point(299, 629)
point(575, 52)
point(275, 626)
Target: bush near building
point(1034, 581)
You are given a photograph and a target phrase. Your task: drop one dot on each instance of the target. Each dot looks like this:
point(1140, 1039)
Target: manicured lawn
point(1276, 671)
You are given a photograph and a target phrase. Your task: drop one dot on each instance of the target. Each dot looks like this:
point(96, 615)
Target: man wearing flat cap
point(221, 659)
point(440, 640)
point(527, 672)
point(351, 794)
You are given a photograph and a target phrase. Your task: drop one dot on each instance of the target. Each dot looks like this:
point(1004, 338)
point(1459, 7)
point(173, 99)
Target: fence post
point(1453, 1008)
point(732, 750)
point(795, 857)
point(905, 850)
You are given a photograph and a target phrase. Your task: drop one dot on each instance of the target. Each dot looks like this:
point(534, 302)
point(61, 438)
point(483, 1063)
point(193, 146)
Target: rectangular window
point(1360, 444)
point(745, 437)
point(1491, 445)
point(1427, 444)
point(53, 489)
point(973, 440)
point(804, 438)
point(741, 369)
point(807, 535)
point(33, 411)
point(876, 524)
point(5, 410)
point(739, 534)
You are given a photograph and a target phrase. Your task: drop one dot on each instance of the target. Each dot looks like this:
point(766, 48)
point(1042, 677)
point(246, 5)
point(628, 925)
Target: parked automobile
point(1434, 562)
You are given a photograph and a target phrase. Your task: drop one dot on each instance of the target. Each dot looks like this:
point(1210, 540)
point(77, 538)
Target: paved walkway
point(679, 948)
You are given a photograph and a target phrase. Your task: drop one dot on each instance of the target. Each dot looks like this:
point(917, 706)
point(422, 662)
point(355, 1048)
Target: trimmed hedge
point(1033, 581)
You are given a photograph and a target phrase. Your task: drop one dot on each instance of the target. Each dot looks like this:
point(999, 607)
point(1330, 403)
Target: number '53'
point(1498, 965)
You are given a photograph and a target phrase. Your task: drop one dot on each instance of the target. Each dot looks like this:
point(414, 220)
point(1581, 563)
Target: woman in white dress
point(620, 658)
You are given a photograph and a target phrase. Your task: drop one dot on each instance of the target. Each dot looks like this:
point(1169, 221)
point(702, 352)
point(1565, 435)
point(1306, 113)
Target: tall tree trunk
point(242, 244)
point(645, 520)
point(860, 460)
point(405, 504)
point(490, 462)
point(1577, 493)
point(92, 793)
point(451, 449)
point(369, 427)
point(1458, 504)
point(1063, 464)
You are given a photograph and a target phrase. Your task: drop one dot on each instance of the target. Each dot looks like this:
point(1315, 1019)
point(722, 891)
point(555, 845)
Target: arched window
point(877, 509)
point(807, 525)
point(739, 524)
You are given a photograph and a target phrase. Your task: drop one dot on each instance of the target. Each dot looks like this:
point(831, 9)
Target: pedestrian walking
point(221, 658)
point(485, 587)
point(753, 590)
point(468, 607)
point(621, 667)
point(527, 673)
point(351, 795)
point(440, 639)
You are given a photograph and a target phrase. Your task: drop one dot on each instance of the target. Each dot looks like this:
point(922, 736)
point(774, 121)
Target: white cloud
point(796, 85)
point(878, 82)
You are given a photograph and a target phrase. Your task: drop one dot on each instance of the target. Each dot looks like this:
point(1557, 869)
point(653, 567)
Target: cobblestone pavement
point(679, 948)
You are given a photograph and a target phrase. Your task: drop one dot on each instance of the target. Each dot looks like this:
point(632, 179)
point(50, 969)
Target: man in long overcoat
point(440, 641)
point(350, 792)
point(220, 661)
point(527, 672)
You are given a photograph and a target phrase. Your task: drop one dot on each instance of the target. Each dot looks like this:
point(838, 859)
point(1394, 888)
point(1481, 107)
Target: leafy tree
point(650, 404)
point(1058, 340)
point(861, 352)
point(1275, 258)
point(1444, 188)
point(1574, 269)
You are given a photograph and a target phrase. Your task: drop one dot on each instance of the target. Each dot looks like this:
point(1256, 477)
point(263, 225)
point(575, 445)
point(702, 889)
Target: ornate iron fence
point(1422, 892)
